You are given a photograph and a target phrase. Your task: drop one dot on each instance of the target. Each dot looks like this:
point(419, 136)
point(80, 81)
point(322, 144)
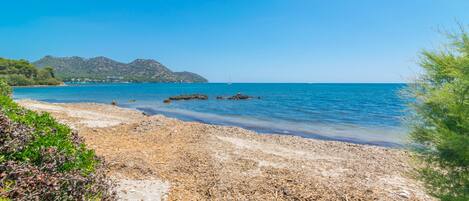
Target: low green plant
point(41, 159)
point(440, 125)
point(19, 80)
point(5, 89)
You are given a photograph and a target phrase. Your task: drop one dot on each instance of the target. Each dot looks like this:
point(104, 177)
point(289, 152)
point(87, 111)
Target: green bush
point(441, 122)
point(48, 81)
point(41, 159)
point(23, 73)
point(5, 89)
point(19, 80)
point(21, 67)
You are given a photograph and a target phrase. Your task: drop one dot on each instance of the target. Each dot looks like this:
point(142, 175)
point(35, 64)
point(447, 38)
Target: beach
point(154, 157)
point(357, 113)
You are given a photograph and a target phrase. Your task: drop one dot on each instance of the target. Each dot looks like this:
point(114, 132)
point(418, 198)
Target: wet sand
point(156, 157)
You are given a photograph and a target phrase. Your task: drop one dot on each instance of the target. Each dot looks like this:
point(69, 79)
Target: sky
point(239, 40)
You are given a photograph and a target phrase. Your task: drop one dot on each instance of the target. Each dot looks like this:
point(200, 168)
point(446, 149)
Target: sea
point(357, 113)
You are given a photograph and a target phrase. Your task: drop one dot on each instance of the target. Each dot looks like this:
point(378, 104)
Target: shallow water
point(359, 113)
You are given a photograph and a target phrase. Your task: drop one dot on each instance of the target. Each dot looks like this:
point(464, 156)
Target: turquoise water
point(359, 113)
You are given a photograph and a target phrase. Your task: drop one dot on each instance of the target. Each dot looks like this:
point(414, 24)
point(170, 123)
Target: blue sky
point(241, 40)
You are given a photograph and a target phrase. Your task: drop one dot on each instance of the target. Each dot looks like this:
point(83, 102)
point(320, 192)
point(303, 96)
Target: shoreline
point(261, 130)
point(270, 131)
point(357, 120)
point(63, 84)
point(191, 160)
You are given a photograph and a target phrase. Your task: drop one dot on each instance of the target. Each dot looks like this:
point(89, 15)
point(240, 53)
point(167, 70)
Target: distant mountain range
point(102, 69)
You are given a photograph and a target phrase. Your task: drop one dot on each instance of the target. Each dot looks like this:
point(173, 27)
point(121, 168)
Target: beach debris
point(189, 97)
point(114, 102)
point(404, 194)
point(167, 101)
point(147, 125)
point(273, 166)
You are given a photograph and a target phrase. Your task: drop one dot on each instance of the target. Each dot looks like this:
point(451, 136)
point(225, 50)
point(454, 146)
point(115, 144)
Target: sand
point(131, 189)
point(160, 158)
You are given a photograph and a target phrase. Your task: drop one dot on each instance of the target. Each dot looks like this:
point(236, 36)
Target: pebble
point(404, 194)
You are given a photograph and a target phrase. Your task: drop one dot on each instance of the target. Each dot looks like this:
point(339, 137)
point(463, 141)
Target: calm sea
point(359, 113)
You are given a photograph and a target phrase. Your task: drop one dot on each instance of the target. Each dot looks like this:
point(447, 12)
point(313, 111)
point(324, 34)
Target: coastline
point(42, 86)
point(309, 111)
point(189, 160)
point(278, 128)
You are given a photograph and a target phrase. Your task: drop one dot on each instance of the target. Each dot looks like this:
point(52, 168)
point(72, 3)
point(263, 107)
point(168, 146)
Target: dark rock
point(114, 103)
point(220, 97)
point(239, 96)
point(189, 97)
point(167, 101)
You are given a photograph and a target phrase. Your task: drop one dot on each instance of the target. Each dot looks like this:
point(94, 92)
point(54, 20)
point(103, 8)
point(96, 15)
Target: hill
point(102, 69)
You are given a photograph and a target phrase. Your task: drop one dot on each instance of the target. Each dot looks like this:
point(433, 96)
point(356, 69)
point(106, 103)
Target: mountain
point(103, 69)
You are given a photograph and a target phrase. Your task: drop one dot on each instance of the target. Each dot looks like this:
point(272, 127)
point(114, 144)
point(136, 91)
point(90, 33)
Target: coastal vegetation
point(23, 73)
point(441, 119)
point(41, 159)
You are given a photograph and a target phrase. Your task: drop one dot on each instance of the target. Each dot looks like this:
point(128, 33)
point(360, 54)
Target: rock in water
point(239, 96)
point(189, 97)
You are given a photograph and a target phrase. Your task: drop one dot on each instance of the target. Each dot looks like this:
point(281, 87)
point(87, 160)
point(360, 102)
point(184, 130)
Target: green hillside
point(102, 69)
point(23, 73)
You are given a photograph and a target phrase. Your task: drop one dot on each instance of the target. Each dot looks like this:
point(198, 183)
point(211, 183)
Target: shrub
point(19, 80)
point(48, 81)
point(20, 67)
point(41, 159)
point(441, 122)
point(5, 89)
point(23, 73)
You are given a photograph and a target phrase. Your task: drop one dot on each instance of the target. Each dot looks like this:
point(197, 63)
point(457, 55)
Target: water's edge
point(264, 130)
point(355, 113)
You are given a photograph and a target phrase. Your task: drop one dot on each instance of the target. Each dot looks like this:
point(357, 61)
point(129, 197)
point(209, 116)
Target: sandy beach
point(161, 158)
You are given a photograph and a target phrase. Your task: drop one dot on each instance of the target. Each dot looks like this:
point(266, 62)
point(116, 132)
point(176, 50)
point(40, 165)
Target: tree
point(50, 71)
point(22, 73)
point(19, 80)
point(440, 125)
point(45, 73)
